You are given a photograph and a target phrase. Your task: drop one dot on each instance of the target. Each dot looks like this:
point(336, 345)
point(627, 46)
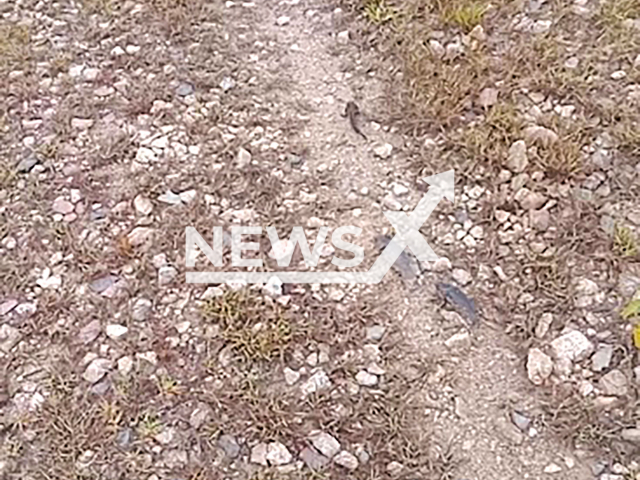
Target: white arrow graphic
point(407, 235)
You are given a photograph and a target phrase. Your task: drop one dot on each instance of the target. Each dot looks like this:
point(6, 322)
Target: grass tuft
point(464, 13)
point(255, 328)
point(624, 241)
point(379, 11)
point(15, 41)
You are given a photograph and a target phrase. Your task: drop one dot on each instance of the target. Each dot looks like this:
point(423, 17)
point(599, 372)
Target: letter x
point(407, 228)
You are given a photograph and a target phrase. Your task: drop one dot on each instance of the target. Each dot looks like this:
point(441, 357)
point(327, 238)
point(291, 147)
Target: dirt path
point(479, 381)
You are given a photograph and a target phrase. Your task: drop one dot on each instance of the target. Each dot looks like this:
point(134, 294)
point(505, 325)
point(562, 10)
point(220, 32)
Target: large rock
point(517, 161)
point(539, 366)
point(572, 346)
point(325, 443)
point(346, 460)
point(602, 358)
point(9, 337)
point(89, 332)
point(97, 369)
point(313, 459)
point(315, 383)
point(614, 383)
point(540, 135)
point(259, 454)
point(229, 445)
point(278, 454)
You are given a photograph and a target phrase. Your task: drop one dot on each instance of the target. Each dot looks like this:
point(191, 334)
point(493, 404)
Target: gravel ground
point(510, 357)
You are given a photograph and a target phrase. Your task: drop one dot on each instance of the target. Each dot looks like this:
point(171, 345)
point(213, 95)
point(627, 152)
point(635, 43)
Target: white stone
point(62, 206)
point(443, 264)
point(317, 382)
point(143, 205)
point(140, 236)
point(375, 332)
point(540, 135)
point(90, 74)
point(116, 331)
point(544, 322)
point(461, 276)
point(399, 190)
point(278, 454)
point(343, 37)
point(366, 379)
point(460, 340)
point(477, 232)
point(183, 327)
point(552, 468)
point(273, 287)
point(336, 294)
point(243, 158)
point(259, 454)
point(383, 151)
point(325, 443)
point(159, 260)
point(585, 286)
point(541, 26)
point(291, 376)
point(488, 97)
point(539, 366)
point(150, 356)
point(517, 161)
point(572, 346)
point(141, 308)
point(469, 241)
point(75, 70)
point(97, 369)
point(145, 155)
point(125, 365)
point(436, 48)
point(187, 196)
point(81, 123)
point(478, 33)
point(346, 460)
point(614, 383)
point(166, 275)
point(9, 337)
point(166, 436)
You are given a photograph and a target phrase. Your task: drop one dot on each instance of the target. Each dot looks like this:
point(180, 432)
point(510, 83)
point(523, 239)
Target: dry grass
point(575, 418)
point(379, 11)
point(251, 403)
point(489, 139)
point(15, 46)
point(438, 93)
point(464, 14)
point(255, 328)
point(613, 13)
point(624, 242)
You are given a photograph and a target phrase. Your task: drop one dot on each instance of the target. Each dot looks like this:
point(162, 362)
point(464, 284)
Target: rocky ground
point(123, 123)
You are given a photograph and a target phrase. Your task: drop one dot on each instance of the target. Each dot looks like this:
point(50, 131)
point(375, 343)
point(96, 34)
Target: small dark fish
point(455, 297)
point(406, 265)
point(353, 112)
